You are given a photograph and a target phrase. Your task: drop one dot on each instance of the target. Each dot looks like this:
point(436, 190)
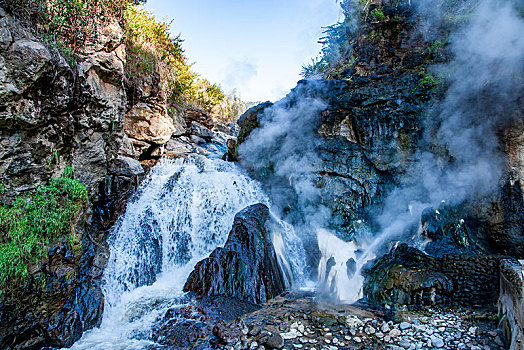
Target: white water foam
point(182, 212)
point(336, 280)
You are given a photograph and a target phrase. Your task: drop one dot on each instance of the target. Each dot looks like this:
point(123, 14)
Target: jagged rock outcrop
point(367, 131)
point(407, 276)
point(152, 132)
point(246, 267)
point(374, 125)
point(53, 113)
point(361, 137)
point(148, 125)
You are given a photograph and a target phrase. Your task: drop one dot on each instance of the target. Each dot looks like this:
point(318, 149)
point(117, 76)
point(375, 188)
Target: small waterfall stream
point(182, 212)
point(179, 215)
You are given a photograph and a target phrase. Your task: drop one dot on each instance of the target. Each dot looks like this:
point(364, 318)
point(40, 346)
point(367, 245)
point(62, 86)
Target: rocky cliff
point(82, 112)
point(383, 136)
point(54, 113)
point(358, 151)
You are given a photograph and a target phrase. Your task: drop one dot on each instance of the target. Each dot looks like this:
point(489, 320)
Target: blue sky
point(256, 46)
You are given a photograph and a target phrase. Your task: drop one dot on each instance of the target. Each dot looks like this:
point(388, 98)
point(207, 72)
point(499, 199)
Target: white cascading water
point(179, 215)
point(336, 279)
point(183, 211)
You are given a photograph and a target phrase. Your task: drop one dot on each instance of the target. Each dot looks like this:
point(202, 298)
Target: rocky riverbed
point(301, 321)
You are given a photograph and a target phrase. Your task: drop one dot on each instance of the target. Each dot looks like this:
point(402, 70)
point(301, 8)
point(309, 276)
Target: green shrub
point(66, 25)
point(29, 225)
point(378, 14)
point(151, 48)
point(428, 81)
point(144, 28)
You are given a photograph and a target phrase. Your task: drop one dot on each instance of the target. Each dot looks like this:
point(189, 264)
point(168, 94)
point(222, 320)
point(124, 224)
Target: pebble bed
point(309, 329)
point(442, 331)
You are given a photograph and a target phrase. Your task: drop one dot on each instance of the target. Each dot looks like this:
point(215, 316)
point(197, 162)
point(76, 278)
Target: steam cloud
point(460, 154)
point(285, 146)
point(485, 94)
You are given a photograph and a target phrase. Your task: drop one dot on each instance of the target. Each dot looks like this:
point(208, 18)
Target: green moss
point(378, 14)
point(30, 224)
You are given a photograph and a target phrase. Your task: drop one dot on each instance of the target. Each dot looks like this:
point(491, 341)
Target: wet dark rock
point(201, 322)
point(430, 227)
point(272, 341)
point(181, 327)
point(56, 313)
point(373, 124)
point(180, 333)
point(251, 120)
point(224, 308)
point(367, 134)
point(231, 150)
point(506, 217)
point(229, 333)
point(456, 229)
point(246, 267)
point(408, 277)
point(351, 265)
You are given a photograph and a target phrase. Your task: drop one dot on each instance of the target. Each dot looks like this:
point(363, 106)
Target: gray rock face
point(128, 167)
point(201, 131)
point(362, 149)
point(194, 114)
point(366, 142)
point(51, 115)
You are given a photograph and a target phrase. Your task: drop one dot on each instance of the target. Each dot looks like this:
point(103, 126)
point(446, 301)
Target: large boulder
point(147, 124)
point(195, 114)
point(406, 276)
point(246, 267)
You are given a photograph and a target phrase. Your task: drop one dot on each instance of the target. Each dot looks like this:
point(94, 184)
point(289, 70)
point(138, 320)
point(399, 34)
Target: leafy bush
point(378, 14)
point(66, 25)
point(151, 48)
point(428, 80)
point(29, 225)
point(144, 28)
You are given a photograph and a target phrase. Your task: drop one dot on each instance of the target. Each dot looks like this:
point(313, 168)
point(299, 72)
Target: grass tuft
point(30, 224)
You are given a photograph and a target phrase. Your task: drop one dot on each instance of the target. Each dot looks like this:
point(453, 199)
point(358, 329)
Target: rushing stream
point(179, 215)
point(182, 212)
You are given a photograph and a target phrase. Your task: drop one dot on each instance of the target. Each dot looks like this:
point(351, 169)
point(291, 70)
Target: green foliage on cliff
point(67, 24)
point(378, 14)
point(335, 42)
point(29, 224)
point(152, 49)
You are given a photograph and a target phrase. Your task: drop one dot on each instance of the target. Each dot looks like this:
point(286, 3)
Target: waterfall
point(340, 266)
point(182, 211)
